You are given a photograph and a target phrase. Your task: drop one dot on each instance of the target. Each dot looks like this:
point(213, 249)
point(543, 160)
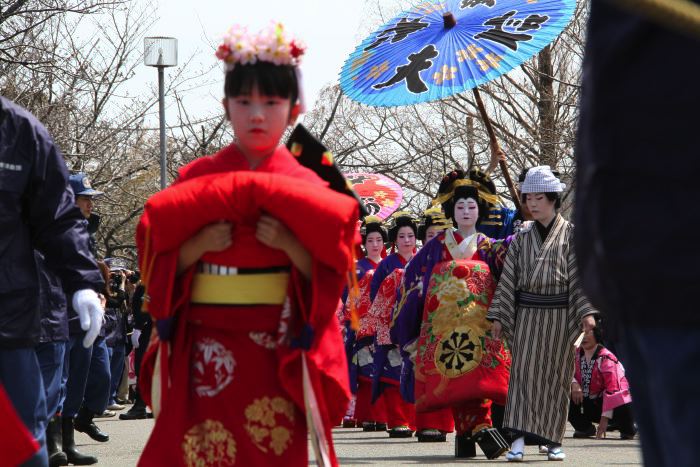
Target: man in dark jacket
point(85, 196)
point(638, 162)
point(37, 213)
point(86, 372)
point(116, 326)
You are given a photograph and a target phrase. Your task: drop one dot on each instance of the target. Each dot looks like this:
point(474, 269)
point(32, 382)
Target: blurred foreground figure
point(37, 212)
point(638, 161)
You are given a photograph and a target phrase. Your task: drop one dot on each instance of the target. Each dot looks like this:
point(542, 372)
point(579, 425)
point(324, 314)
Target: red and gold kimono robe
point(442, 318)
point(225, 376)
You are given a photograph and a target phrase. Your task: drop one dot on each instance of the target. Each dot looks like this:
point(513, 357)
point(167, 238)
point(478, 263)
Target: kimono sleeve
point(615, 388)
point(409, 309)
point(508, 223)
point(164, 289)
point(495, 255)
point(503, 305)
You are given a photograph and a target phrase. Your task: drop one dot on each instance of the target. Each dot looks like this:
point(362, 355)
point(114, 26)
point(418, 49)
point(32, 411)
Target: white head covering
point(540, 179)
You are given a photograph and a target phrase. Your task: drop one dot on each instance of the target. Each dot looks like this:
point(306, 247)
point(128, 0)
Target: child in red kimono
point(242, 287)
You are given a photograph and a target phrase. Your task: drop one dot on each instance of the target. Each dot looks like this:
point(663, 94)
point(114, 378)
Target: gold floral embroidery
point(453, 290)
point(279, 439)
point(209, 444)
point(270, 422)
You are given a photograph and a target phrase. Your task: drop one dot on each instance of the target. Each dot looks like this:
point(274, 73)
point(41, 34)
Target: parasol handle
point(495, 149)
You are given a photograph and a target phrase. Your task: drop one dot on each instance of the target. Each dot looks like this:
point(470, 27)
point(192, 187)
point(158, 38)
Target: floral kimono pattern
point(449, 357)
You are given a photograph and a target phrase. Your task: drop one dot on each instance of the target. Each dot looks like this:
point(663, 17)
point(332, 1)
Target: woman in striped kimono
point(540, 308)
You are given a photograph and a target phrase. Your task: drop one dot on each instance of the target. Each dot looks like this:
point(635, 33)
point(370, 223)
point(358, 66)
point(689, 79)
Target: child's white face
point(259, 121)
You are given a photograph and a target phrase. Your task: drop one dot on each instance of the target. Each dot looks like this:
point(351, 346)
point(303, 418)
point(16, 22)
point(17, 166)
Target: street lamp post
point(161, 52)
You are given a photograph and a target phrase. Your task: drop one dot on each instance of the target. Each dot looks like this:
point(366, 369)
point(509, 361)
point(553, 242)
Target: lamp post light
point(161, 52)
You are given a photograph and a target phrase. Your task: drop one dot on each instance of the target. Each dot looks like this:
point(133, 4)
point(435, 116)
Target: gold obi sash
point(223, 285)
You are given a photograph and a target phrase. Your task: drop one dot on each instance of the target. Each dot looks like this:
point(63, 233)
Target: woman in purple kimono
point(387, 359)
point(450, 360)
point(369, 417)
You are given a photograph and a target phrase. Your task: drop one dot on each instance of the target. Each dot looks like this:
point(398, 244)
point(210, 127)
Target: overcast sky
point(330, 28)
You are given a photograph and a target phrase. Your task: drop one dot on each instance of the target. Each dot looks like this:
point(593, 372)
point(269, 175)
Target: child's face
point(259, 121)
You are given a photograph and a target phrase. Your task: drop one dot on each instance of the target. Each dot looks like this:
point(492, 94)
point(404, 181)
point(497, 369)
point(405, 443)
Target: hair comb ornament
point(272, 44)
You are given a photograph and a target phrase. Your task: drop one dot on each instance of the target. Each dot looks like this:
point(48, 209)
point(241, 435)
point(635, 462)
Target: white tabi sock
point(518, 445)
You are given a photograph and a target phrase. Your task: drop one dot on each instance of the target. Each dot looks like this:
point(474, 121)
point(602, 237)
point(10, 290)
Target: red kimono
point(16, 443)
point(226, 372)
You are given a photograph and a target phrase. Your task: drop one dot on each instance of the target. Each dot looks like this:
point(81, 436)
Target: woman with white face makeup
point(540, 308)
point(441, 327)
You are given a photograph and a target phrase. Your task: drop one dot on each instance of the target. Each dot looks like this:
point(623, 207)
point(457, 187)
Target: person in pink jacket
point(599, 392)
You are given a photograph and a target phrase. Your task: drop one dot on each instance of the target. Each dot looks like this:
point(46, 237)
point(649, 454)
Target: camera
point(115, 281)
point(134, 277)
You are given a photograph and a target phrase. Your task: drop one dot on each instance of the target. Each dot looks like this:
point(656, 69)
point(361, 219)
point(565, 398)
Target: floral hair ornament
point(272, 44)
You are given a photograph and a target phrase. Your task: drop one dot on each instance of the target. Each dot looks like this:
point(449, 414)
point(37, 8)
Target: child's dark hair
point(270, 79)
point(556, 197)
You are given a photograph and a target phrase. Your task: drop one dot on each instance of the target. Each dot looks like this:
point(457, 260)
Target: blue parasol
point(441, 48)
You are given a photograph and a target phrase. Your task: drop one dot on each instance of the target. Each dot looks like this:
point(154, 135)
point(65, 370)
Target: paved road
point(357, 448)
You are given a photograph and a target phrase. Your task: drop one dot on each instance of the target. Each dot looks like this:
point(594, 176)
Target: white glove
point(135, 334)
point(87, 304)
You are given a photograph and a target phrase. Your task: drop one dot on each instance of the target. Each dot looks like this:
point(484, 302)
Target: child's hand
point(273, 233)
point(213, 237)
